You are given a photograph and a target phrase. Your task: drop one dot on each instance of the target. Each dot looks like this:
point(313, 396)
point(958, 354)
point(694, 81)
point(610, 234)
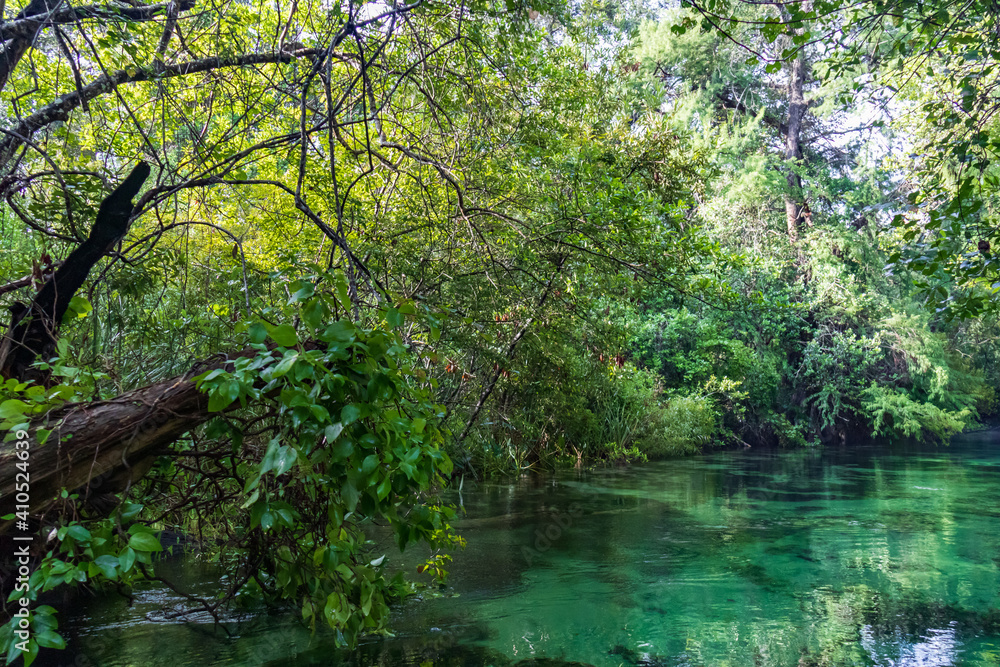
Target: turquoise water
point(852, 556)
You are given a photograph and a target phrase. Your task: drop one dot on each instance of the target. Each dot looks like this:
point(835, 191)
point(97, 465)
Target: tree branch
point(61, 107)
point(26, 27)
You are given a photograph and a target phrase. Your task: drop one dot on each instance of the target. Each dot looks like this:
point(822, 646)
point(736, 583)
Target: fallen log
point(106, 444)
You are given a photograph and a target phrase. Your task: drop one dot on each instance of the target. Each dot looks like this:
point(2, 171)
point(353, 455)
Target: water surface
point(851, 556)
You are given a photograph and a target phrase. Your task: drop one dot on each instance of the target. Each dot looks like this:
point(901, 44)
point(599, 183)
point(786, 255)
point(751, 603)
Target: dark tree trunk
point(33, 329)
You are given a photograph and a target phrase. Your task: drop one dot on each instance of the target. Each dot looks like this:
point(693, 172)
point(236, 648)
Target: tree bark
point(797, 107)
point(103, 444)
point(795, 205)
point(33, 329)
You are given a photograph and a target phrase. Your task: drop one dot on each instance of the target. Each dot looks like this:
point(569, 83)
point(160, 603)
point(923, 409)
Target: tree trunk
point(796, 210)
point(104, 444)
point(795, 206)
point(33, 329)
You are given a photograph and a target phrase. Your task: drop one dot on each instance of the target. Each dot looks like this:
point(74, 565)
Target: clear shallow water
point(854, 556)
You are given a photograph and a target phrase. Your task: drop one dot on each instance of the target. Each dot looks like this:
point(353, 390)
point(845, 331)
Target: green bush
point(687, 424)
point(893, 414)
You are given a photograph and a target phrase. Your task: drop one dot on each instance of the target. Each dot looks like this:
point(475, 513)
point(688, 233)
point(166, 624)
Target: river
point(838, 556)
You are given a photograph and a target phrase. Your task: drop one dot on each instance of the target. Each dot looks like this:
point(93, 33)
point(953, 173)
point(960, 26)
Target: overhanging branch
point(25, 28)
point(60, 108)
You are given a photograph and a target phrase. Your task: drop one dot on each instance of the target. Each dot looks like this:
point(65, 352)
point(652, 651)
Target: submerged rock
point(635, 658)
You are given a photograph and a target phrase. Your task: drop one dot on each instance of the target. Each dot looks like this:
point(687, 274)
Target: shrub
point(687, 424)
point(893, 414)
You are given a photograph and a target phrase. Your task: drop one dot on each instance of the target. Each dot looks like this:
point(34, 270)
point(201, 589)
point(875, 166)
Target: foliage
point(509, 235)
point(812, 331)
point(116, 551)
point(929, 71)
point(689, 423)
point(353, 441)
point(343, 439)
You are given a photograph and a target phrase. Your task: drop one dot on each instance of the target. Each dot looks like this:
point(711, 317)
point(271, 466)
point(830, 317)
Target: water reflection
point(861, 556)
point(938, 648)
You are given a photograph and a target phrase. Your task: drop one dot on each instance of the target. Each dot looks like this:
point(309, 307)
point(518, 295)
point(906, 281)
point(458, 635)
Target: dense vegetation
point(393, 245)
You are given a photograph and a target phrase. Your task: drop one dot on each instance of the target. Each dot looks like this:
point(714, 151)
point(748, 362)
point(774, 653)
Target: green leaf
point(109, 566)
point(343, 294)
point(144, 542)
point(336, 609)
point(285, 364)
point(13, 408)
point(257, 332)
point(333, 431)
point(78, 533)
point(257, 512)
point(49, 639)
point(126, 559)
point(350, 414)
point(284, 460)
point(31, 653)
point(210, 375)
point(343, 449)
point(129, 511)
point(340, 331)
point(350, 494)
point(252, 482)
point(223, 396)
point(283, 334)
point(304, 292)
point(314, 312)
point(79, 307)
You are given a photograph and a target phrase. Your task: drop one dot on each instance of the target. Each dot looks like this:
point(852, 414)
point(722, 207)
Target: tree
point(895, 54)
point(815, 321)
point(346, 235)
point(371, 431)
